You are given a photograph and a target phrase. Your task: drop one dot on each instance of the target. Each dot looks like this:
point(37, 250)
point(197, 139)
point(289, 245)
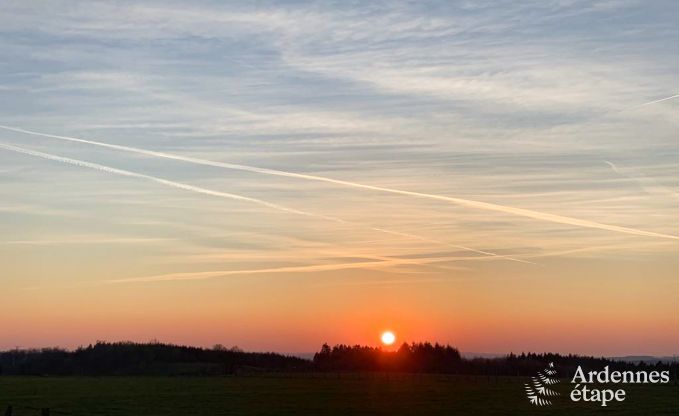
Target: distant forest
point(436, 358)
point(127, 358)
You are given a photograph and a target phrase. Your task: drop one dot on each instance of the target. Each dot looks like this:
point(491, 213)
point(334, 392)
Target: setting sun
point(388, 338)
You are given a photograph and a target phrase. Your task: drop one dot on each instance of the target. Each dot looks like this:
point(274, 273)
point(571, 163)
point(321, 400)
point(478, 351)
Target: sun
point(388, 337)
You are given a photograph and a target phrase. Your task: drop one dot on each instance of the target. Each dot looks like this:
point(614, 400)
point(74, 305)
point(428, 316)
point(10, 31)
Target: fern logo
point(537, 391)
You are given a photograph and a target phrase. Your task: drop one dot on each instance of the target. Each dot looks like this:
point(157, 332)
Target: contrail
point(429, 240)
point(656, 188)
point(543, 216)
point(226, 195)
point(378, 263)
point(660, 100)
point(612, 166)
point(617, 247)
point(166, 182)
point(224, 273)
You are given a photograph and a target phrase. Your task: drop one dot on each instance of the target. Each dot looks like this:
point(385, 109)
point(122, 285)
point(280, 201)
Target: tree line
point(154, 358)
point(436, 358)
point(415, 357)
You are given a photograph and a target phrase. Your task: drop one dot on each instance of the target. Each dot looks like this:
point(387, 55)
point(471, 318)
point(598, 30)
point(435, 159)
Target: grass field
point(347, 394)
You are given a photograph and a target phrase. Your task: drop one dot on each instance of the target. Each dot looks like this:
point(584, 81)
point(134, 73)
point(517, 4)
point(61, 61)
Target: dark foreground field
point(325, 394)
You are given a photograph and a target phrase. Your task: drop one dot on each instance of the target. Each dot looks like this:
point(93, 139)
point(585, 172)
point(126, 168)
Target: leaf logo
point(537, 391)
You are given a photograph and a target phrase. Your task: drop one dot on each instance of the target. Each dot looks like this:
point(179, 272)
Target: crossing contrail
point(661, 100)
point(537, 215)
point(226, 195)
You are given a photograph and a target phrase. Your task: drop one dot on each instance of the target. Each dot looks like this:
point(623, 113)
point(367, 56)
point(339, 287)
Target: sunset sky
point(501, 176)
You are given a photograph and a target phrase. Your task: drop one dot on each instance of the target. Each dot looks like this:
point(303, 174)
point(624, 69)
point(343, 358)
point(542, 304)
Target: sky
point(497, 175)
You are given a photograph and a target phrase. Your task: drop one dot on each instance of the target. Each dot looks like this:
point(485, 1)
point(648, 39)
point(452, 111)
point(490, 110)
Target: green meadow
point(312, 394)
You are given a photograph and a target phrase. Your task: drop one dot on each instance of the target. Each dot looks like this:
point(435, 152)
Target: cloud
point(508, 103)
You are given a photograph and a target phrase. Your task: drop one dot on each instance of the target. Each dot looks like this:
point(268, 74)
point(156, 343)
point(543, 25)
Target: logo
point(538, 392)
point(590, 386)
point(586, 384)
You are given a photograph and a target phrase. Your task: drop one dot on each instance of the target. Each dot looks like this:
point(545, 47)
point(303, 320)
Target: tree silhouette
point(127, 358)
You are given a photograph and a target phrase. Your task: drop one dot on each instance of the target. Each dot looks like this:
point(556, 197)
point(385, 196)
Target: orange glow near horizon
point(472, 315)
